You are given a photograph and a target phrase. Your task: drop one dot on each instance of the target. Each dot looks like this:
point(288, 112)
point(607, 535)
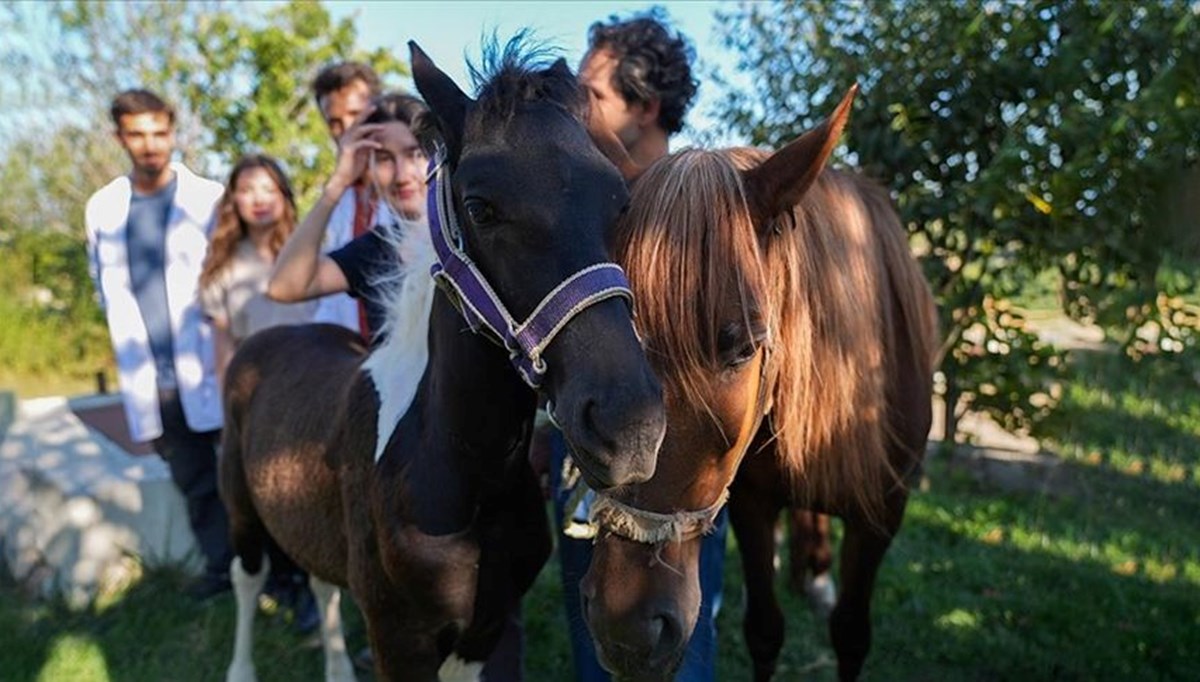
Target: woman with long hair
point(256, 216)
point(383, 154)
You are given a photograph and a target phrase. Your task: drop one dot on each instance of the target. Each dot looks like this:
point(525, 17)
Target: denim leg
point(192, 458)
point(700, 659)
point(574, 557)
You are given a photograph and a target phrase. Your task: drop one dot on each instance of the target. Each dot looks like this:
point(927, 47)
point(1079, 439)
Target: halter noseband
point(477, 302)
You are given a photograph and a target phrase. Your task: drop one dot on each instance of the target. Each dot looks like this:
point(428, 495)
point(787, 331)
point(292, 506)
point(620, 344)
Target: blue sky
point(451, 29)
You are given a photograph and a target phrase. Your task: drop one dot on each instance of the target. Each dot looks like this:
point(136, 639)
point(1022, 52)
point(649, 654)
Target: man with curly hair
point(638, 76)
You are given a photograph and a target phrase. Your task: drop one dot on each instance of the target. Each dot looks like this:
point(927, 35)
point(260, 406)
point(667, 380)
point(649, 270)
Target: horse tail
point(246, 531)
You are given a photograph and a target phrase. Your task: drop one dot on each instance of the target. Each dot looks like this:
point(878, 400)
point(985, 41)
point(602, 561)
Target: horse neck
point(478, 404)
point(471, 416)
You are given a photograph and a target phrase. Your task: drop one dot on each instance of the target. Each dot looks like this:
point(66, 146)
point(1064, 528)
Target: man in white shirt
point(147, 236)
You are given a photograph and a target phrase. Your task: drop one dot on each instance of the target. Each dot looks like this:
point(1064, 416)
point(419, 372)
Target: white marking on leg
point(338, 667)
point(246, 588)
point(396, 366)
point(822, 594)
point(455, 669)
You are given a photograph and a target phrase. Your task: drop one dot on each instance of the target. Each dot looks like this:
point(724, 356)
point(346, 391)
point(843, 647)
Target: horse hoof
point(822, 595)
point(456, 669)
point(340, 671)
point(241, 673)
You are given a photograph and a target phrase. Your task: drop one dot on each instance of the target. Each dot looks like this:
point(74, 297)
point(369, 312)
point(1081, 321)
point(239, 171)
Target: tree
point(243, 82)
point(239, 81)
point(1016, 137)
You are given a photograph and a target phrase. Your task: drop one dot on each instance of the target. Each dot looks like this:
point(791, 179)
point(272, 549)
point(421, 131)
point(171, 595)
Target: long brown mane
point(834, 283)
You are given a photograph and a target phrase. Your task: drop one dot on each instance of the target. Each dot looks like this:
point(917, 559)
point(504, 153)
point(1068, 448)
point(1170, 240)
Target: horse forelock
point(517, 74)
point(688, 245)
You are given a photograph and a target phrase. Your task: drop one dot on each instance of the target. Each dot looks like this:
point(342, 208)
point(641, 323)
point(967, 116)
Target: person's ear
point(650, 111)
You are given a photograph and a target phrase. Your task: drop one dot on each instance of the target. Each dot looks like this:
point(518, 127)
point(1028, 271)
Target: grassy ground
point(1098, 579)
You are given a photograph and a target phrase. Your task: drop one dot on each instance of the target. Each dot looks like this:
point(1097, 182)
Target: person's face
point(342, 107)
point(149, 139)
point(399, 168)
point(625, 120)
point(258, 200)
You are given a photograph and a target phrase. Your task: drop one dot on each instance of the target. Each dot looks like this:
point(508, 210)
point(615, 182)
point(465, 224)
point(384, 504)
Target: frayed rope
point(653, 528)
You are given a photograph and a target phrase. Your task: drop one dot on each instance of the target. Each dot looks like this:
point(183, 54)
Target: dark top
point(366, 262)
point(146, 241)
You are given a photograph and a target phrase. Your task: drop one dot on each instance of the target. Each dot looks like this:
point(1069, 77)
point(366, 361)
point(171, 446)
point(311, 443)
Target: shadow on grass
point(1150, 408)
point(150, 632)
point(985, 585)
point(955, 607)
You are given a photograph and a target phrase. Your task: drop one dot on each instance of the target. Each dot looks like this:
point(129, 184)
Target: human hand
point(354, 151)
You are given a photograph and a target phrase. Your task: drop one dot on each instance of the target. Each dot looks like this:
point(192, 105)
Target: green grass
point(1098, 579)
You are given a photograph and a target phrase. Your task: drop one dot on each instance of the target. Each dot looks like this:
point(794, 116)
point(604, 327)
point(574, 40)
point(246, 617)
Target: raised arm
point(302, 272)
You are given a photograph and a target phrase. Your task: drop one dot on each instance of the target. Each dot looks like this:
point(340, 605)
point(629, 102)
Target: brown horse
point(794, 335)
point(401, 474)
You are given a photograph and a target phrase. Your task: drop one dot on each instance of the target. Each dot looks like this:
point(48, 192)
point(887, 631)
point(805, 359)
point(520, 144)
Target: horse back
point(285, 399)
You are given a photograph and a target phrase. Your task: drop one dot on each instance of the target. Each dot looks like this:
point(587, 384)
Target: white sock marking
point(245, 591)
point(455, 669)
point(338, 667)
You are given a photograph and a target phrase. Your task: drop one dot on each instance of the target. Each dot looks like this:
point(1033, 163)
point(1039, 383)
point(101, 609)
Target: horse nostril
point(667, 636)
point(658, 625)
point(592, 419)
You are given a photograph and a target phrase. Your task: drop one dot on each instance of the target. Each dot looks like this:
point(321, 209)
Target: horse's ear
point(447, 102)
point(779, 183)
point(561, 68)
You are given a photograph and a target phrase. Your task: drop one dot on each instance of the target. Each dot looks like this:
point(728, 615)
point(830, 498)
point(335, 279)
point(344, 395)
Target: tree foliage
point(240, 81)
point(1016, 137)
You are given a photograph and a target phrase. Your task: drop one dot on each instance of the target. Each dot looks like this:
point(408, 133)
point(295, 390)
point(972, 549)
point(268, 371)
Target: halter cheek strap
point(477, 302)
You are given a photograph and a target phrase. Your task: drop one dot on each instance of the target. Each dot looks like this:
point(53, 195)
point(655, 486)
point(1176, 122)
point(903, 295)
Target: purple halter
point(477, 302)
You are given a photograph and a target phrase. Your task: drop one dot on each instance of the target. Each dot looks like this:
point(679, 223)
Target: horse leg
point(753, 520)
point(863, 549)
point(246, 588)
point(338, 667)
point(250, 565)
point(811, 558)
point(513, 550)
point(399, 657)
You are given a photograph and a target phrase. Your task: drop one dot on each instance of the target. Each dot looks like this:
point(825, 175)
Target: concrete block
point(75, 507)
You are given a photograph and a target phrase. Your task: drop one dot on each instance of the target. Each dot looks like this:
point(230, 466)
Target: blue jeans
point(699, 661)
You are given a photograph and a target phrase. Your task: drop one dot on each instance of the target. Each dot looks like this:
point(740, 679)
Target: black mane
point(519, 72)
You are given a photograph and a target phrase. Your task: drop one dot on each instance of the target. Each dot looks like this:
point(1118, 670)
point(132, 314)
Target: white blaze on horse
point(401, 474)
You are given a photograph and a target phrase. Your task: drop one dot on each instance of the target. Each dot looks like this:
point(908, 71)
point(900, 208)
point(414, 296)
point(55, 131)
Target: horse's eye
point(735, 347)
point(479, 211)
point(742, 355)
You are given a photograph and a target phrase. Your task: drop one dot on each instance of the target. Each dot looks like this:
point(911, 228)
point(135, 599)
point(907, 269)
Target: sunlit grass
point(72, 657)
point(1097, 581)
